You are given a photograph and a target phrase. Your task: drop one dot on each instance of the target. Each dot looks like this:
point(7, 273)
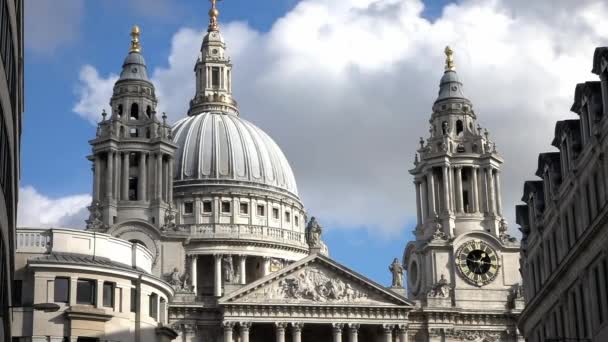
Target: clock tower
point(462, 257)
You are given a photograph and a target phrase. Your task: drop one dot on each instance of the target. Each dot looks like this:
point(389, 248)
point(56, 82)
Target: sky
point(345, 87)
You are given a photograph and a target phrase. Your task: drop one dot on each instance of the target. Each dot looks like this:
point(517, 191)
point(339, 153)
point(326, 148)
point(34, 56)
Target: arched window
point(444, 127)
point(119, 110)
point(134, 111)
point(148, 111)
point(459, 127)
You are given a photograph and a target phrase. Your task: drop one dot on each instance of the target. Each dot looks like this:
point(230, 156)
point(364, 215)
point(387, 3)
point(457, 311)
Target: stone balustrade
point(247, 232)
point(84, 243)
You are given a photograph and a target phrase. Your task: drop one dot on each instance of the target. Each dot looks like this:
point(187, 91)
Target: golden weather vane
point(135, 46)
point(449, 59)
point(214, 13)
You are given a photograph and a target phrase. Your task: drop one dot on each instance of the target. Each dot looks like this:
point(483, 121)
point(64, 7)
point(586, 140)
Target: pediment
point(315, 280)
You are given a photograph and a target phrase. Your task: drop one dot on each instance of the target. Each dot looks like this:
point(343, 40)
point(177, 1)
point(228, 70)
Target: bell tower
point(132, 151)
point(462, 256)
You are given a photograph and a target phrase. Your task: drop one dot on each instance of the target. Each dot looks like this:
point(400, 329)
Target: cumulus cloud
point(346, 88)
point(38, 210)
point(50, 24)
point(94, 93)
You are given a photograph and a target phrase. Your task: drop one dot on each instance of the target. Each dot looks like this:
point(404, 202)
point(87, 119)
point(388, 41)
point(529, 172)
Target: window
point(148, 111)
point(132, 188)
point(225, 207)
point(260, 210)
point(153, 306)
point(207, 207)
point(188, 208)
point(134, 112)
point(244, 208)
point(62, 290)
point(215, 77)
point(17, 291)
point(133, 133)
point(120, 110)
point(133, 299)
point(85, 292)
point(297, 220)
point(108, 294)
point(275, 213)
point(459, 127)
point(287, 217)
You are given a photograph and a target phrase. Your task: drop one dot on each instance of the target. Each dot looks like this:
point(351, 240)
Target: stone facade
point(215, 202)
point(11, 109)
point(463, 266)
point(564, 258)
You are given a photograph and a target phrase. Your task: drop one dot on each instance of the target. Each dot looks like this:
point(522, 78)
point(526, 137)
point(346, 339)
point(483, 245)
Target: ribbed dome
point(224, 147)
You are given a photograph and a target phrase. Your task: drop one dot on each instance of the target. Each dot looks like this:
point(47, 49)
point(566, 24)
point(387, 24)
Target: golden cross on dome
point(213, 14)
point(449, 59)
point(135, 46)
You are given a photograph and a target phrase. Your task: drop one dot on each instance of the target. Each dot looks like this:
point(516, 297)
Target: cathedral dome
point(223, 149)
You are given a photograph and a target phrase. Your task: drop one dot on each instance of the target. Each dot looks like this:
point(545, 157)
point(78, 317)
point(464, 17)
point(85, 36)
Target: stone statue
point(397, 271)
point(438, 233)
point(313, 233)
point(94, 221)
point(228, 269)
point(176, 280)
point(441, 289)
point(169, 220)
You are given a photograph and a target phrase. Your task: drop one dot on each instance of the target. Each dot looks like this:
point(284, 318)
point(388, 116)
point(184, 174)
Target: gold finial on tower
point(449, 59)
point(213, 14)
point(135, 46)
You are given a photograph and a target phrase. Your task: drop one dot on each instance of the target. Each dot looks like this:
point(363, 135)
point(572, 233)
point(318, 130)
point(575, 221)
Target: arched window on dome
point(134, 112)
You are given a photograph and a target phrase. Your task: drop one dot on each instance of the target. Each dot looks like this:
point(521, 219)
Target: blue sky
point(346, 92)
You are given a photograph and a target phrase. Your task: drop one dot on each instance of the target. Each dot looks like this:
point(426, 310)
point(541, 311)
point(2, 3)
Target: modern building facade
point(211, 204)
point(463, 266)
point(11, 108)
point(564, 254)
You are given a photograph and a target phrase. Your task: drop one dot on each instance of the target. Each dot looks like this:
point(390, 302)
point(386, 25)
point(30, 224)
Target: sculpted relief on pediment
point(314, 284)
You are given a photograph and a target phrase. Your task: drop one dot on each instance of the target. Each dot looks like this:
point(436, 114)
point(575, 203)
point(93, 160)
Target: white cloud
point(346, 88)
point(38, 210)
point(94, 93)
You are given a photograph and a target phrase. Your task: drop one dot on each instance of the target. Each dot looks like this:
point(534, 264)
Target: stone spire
point(213, 72)
point(134, 66)
point(457, 174)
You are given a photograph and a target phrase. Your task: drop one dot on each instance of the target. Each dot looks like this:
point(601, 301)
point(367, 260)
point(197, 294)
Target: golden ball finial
point(135, 46)
point(449, 59)
point(214, 13)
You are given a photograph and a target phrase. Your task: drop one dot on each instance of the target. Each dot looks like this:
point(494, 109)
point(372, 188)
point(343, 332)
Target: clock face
point(477, 262)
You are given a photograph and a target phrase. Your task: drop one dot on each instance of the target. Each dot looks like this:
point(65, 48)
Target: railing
point(244, 232)
point(33, 240)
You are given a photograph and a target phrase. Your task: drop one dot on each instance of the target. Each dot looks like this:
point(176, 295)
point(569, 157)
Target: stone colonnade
point(484, 189)
point(217, 271)
point(154, 174)
point(390, 332)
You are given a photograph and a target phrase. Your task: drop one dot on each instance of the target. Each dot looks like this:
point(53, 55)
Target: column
point(483, 195)
point(110, 171)
point(418, 203)
point(170, 181)
point(244, 328)
point(474, 189)
point(490, 186)
point(498, 192)
point(141, 178)
point(402, 331)
point(280, 331)
point(159, 176)
point(116, 177)
point(353, 332)
point(97, 175)
point(337, 331)
point(125, 176)
point(193, 274)
point(459, 200)
point(228, 326)
point(431, 193)
point(242, 270)
point(217, 284)
point(387, 332)
point(164, 182)
point(296, 332)
point(424, 200)
point(446, 190)
point(266, 266)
